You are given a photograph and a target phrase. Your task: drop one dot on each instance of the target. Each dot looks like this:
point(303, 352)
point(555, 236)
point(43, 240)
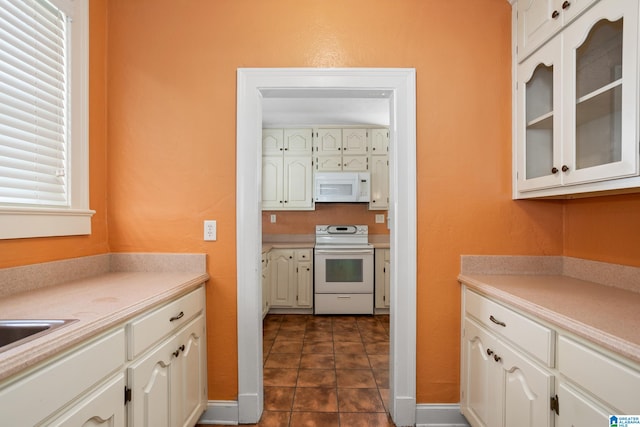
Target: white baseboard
point(224, 412)
point(439, 415)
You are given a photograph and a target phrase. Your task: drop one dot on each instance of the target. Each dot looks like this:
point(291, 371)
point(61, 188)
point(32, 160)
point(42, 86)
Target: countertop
point(98, 303)
point(604, 315)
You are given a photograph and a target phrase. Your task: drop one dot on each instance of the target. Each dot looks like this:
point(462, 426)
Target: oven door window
point(344, 270)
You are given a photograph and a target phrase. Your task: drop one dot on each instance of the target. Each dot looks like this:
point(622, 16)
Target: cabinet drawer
point(344, 304)
point(303, 255)
point(147, 330)
point(613, 382)
point(532, 337)
point(55, 384)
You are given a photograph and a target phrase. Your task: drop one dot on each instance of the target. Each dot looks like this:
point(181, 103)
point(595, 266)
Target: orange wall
point(604, 229)
point(169, 78)
point(28, 251)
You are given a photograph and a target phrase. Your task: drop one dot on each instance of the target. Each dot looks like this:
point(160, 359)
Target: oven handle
point(343, 251)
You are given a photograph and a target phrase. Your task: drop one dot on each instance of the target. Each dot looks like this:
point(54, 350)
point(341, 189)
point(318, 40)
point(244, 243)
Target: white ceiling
point(306, 107)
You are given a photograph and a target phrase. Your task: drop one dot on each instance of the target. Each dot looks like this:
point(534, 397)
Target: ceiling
point(307, 107)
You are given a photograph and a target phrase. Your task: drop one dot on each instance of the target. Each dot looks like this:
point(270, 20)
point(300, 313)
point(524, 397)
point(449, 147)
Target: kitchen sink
point(17, 332)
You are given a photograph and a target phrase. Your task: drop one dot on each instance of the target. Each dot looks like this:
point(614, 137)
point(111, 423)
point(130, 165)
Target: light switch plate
point(210, 230)
point(379, 218)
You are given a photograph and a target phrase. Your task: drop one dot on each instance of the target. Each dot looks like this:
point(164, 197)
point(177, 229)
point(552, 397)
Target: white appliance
point(343, 270)
point(342, 186)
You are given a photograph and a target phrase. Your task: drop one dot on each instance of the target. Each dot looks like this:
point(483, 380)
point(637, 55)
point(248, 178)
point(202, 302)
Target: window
point(44, 162)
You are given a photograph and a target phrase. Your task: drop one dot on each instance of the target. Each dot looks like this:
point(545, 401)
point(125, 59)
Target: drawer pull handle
point(496, 321)
point(179, 316)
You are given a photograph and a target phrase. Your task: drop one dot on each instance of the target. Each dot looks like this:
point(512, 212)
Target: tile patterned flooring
point(326, 371)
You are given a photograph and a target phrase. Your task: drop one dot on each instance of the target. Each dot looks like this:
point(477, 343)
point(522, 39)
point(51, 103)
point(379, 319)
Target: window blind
point(34, 107)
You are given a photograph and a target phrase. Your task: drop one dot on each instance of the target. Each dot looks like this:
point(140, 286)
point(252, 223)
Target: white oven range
point(343, 270)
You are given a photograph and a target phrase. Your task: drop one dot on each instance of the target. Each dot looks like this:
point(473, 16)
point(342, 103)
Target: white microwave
point(342, 187)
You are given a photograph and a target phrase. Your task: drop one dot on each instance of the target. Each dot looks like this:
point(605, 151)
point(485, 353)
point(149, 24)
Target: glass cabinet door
point(600, 133)
point(538, 128)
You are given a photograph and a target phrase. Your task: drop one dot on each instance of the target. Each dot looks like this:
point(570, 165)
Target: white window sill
point(18, 223)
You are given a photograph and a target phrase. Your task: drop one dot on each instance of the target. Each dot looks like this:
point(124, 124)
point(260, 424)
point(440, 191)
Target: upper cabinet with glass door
point(577, 112)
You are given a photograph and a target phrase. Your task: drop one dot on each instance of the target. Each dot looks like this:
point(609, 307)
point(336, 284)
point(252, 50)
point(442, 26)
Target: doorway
point(398, 85)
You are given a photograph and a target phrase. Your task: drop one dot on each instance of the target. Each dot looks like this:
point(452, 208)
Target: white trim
point(402, 211)
point(440, 415)
point(220, 412)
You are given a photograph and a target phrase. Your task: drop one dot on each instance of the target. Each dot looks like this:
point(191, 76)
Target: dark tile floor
point(326, 371)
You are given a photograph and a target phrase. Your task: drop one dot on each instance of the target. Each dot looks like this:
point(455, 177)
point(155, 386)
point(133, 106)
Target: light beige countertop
point(98, 302)
point(604, 314)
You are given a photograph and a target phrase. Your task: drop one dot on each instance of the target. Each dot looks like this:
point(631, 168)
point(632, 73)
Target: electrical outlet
point(379, 218)
point(210, 230)
point(273, 218)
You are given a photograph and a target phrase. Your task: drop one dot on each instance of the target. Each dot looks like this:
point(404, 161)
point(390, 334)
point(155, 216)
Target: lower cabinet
point(382, 278)
point(167, 383)
point(520, 371)
point(291, 278)
point(150, 371)
point(501, 387)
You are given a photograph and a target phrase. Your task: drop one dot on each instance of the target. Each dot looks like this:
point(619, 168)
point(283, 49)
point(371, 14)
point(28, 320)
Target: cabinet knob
point(555, 14)
point(497, 358)
point(554, 170)
point(566, 4)
point(345, 148)
point(565, 168)
point(489, 352)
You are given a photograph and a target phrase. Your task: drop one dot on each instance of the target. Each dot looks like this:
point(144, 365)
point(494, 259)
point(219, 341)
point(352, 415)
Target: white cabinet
point(539, 20)
point(265, 284)
point(501, 385)
point(287, 169)
point(379, 162)
point(291, 278)
point(338, 150)
point(87, 369)
point(612, 383)
point(168, 383)
point(102, 407)
point(577, 114)
point(515, 370)
point(167, 375)
point(382, 278)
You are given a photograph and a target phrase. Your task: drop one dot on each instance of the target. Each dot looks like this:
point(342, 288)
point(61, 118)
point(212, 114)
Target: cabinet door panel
point(354, 141)
point(355, 163)
point(535, 24)
point(600, 107)
point(379, 183)
point(298, 142)
point(102, 408)
point(328, 142)
point(527, 390)
point(190, 374)
point(304, 279)
point(281, 279)
point(272, 178)
point(150, 380)
point(538, 116)
point(478, 398)
point(379, 141)
point(272, 142)
point(576, 410)
point(329, 163)
point(298, 176)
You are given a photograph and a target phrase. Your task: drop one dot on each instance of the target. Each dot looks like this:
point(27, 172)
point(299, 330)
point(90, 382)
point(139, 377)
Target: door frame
point(399, 86)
